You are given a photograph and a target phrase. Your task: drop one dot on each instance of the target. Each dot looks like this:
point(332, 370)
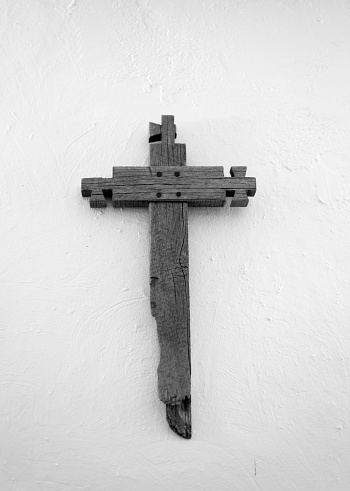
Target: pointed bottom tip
point(179, 417)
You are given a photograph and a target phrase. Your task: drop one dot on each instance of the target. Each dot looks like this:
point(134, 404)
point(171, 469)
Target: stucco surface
point(263, 84)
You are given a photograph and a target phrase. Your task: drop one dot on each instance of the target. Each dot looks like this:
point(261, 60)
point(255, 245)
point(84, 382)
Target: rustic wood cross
point(168, 188)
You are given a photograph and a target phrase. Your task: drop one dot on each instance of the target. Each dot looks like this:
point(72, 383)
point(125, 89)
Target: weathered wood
point(193, 197)
point(159, 192)
point(238, 171)
point(154, 130)
point(198, 186)
point(168, 188)
point(145, 204)
point(240, 195)
point(190, 182)
point(170, 302)
point(97, 200)
point(145, 173)
point(176, 154)
point(171, 309)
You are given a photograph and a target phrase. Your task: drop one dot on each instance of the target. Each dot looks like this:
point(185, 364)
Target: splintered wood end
point(179, 418)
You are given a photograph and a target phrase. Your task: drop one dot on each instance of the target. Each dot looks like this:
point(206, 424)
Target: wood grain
point(170, 306)
point(191, 182)
point(170, 303)
point(141, 173)
point(198, 186)
point(174, 194)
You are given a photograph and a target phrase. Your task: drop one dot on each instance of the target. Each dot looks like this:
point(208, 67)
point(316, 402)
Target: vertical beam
point(170, 303)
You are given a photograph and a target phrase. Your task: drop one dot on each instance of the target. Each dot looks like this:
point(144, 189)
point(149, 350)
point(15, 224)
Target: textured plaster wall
point(257, 83)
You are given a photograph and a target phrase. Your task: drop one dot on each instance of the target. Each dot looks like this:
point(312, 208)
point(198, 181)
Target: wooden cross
point(168, 188)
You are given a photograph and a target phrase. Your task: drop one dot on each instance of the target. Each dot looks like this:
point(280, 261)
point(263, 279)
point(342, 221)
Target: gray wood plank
point(170, 307)
point(170, 301)
point(175, 154)
point(145, 204)
point(148, 184)
point(193, 188)
point(159, 194)
point(224, 183)
point(199, 172)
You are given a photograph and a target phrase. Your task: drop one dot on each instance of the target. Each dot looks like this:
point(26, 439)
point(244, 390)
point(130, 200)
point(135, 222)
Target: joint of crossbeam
point(238, 171)
point(97, 200)
point(240, 199)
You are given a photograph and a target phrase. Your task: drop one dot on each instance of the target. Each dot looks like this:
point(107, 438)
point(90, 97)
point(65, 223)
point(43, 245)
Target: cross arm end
point(97, 189)
point(240, 195)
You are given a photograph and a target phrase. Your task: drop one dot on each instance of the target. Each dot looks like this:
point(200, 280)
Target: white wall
point(257, 83)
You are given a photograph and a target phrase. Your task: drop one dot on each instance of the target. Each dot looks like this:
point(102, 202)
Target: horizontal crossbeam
point(197, 186)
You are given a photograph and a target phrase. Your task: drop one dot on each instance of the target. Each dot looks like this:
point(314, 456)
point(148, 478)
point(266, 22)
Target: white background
point(259, 83)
